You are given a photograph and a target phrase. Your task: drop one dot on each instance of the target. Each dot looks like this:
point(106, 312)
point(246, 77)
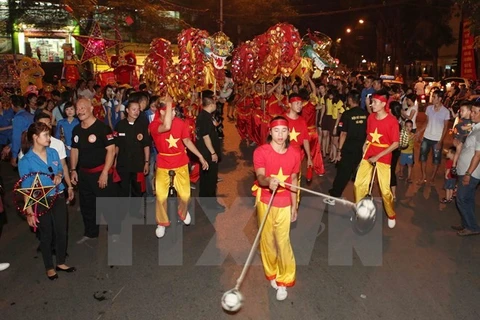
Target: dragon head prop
point(124, 68)
point(30, 73)
point(218, 48)
point(316, 46)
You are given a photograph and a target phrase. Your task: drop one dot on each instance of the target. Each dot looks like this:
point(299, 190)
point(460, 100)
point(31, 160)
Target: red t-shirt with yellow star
point(298, 131)
point(381, 134)
point(309, 113)
point(171, 150)
point(280, 166)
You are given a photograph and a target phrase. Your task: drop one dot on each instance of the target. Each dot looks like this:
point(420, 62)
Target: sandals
point(445, 200)
point(465, 232)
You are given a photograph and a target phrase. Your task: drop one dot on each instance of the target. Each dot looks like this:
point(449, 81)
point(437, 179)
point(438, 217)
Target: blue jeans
point(466, 203)
point(425, 147)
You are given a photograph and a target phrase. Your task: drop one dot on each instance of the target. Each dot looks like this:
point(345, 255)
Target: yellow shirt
point(337, 109)
point(409, 149)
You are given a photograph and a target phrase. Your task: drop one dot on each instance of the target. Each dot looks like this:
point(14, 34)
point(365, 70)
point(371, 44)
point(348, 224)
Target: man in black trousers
point(91, 166)
point(208, 143)
point(352, 128)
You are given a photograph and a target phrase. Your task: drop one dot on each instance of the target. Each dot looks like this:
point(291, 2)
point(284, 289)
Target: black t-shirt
point(354, 123)
point(131, 139)
point(91, 143)
point(204, 126)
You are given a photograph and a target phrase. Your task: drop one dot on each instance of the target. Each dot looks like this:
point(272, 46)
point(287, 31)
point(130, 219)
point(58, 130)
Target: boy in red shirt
point(171, 135)
point(298, 132)
point(277, 162)
point(383, 136)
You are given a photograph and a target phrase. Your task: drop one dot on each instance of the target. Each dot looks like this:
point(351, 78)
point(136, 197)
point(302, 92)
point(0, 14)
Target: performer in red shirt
point(309, 112)
point(257, 115)
point(277, 102)
point(382, 138)
point(243, 106)
point(277, 162)
point(171, 135)
point(298, 132)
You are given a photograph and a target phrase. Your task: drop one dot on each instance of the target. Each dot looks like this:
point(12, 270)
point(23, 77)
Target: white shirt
point(419, 88)
point(57, 112)
point(436, 122)
point(471, 145)
point(409, 111)
point(55, 144)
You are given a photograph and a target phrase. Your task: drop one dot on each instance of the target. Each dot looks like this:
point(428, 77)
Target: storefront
point(44, 45)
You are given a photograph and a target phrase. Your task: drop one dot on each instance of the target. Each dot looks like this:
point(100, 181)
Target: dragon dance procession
point(228, 180)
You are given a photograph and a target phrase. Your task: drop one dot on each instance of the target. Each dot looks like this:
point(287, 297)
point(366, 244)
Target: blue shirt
point(6, 121)
point(365, 93)
point(21, 121)
point(67, 128)
point(31, 162)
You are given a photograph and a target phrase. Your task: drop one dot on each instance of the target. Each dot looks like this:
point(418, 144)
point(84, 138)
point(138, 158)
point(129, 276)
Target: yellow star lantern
point(36, 194)
point(293, 135)
point(376, 136)
point(280, 177)
point(172, 142)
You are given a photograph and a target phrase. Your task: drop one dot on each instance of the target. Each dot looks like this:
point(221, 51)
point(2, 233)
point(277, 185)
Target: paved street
point(427, 271)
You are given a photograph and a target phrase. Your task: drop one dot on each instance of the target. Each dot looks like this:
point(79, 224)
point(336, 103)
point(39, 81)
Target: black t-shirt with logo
point(131, 139)
point(354, 123)
point(204, 126)
point(91, 143)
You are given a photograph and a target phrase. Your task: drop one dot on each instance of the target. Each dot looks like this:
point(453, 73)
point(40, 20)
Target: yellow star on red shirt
point(37, 193)
point(293, 135)
point(280, 177)
point(172, 142)
point(376, 136)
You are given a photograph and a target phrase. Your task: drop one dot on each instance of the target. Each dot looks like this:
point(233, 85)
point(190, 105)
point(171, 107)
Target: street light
point(361, 21)
point(339, 40)
point(349, 30)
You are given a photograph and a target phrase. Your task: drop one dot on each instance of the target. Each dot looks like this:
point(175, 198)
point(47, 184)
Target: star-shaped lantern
point(95, 45)
point(36, 194)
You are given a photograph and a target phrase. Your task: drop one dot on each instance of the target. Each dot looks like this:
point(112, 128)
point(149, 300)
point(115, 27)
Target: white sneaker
point(188, 219)
point(329, 201)
point(83, 239)
point(282, 293)
point(273, 283)
point(160, 232)
point(4, 266)
point(392, 223)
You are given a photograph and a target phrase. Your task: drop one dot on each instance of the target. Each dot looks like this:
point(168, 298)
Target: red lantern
point(129, 21)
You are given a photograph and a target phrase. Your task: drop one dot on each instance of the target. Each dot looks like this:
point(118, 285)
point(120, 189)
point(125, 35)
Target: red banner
point(104, 78)
point(468, 69)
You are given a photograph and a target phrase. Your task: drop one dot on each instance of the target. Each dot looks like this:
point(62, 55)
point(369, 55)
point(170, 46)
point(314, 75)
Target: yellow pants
point(362, 182)
point(181, 182)
point(299, 181)
point(277, 254)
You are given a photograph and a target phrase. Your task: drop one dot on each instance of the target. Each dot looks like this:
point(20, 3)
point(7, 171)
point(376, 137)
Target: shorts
point(450, 184)
point(425, 147)
point(406, 159)
point(327, 123)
